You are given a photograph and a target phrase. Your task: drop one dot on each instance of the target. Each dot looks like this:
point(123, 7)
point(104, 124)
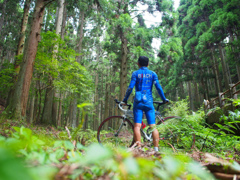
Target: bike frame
point(127, 115)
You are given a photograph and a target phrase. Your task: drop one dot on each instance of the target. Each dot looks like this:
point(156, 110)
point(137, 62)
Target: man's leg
point(137, 134)
point(150, 114)
point(155, 134)
point(138, 113)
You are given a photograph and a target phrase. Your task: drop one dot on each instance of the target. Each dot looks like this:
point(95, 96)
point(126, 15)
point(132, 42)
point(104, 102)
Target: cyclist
point(143, 80)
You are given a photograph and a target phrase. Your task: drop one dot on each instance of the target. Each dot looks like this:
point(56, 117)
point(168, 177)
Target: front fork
point(122, 124)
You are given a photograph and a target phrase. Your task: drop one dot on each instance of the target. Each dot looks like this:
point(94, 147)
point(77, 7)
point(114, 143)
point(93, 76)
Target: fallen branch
point(172, 147)
point(69, 135)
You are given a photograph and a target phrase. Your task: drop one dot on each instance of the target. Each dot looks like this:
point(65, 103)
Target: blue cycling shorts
point(139, 108)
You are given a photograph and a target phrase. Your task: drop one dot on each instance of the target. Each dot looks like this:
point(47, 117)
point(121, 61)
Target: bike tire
point(107, 131)
point(176, 133)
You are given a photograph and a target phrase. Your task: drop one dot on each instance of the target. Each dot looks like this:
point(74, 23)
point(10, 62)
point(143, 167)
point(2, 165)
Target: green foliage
point(96, 161)
point(6, 79)
point(179, 108)
point(236, 102)
point(8, 162)
point(218, 138)
point(61, 66)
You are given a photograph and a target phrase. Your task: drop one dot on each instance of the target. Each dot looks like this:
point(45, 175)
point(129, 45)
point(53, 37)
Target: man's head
point(143, 61)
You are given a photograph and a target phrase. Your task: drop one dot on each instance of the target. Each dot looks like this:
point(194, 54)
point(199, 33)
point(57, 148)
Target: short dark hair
point(143, 61)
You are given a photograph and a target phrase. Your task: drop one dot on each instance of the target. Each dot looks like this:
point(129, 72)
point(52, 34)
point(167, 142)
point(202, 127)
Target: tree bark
point(55, 51)
point(123, 69)
point(22, 33)
point(20, 44)
point(64, 19)
point(190, 94)
point(216, 72)
point(80, 35)
point(196, 96)
point(74, 112)
point(102, 95)
point(224, 67)
point(59, 111)
point(2, 18)
point(47, 109)
point(96, 103)
point(18, 101)
point(106, 108)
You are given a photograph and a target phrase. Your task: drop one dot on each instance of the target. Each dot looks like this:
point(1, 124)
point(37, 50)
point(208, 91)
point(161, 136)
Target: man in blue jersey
point(143, 80)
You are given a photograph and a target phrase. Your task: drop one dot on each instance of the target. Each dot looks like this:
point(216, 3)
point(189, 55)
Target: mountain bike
point(174, 132)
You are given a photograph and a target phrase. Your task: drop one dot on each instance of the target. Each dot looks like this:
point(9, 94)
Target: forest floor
point(220, 167)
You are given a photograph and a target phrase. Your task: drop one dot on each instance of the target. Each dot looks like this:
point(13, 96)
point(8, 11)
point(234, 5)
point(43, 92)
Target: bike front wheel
point(116, 131)
point(175, 133)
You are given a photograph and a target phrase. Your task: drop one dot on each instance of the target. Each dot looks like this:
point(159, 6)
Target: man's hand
point(166, 101)
point(125, 103)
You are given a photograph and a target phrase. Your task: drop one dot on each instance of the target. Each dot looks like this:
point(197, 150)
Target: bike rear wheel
point(116, 131)
point(175, 133)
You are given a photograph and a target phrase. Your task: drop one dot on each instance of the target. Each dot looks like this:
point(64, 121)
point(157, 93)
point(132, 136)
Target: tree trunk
point(224, 67)
point(22, 33)
point(106, 108)
point(59, 111)
point(80, 35)
point(190, 94)
point(64, 19)
point(102, 95)
point(2, 15)
point(55, 51)
point(55, 108)
point(20, 45)
point(216, 72)
point(2, 18)
point(32, 101)
point(86, 121)
point(18, 101)
point(196, 96)
point(238, 72)
point(35, 111)
point(74, 112)
point(123, 68)
point(96, 103)
point(47, 109)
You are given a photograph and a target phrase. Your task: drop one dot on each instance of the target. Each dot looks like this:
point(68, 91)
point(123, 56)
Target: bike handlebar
point(120, 104)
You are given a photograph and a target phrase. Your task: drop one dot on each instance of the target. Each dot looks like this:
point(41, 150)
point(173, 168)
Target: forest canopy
point(57, 54)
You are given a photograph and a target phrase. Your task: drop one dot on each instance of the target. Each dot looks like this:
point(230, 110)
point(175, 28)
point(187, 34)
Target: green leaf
point(68, 145)
point(11, 168)
point(131, 165)
point(97, 153)
point(197, 169)
point(27, 133)
point(17, 129)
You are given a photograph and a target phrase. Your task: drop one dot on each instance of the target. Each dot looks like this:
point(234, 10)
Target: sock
point(156, 148)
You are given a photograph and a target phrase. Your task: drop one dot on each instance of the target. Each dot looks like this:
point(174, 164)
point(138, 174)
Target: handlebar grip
point(118, 102)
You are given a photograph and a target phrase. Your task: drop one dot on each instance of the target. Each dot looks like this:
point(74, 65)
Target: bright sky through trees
point(154, 19)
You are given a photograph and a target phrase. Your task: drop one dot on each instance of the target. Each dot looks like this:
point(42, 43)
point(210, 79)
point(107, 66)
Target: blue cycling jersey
point(143, 80)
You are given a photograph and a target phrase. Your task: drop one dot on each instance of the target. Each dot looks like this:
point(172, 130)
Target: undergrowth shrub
point(218, 138)
point(33, 159)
